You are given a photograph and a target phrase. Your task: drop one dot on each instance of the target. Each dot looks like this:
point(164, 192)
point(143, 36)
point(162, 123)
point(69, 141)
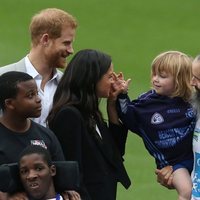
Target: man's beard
point(195, 101)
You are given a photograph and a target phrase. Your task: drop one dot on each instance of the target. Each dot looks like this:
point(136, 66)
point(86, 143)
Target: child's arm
point(119, 86)
point(120, 104)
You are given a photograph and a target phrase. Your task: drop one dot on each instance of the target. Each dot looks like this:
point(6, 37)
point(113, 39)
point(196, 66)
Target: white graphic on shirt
point(157, 118)
point(171, 137)
point(39, 143)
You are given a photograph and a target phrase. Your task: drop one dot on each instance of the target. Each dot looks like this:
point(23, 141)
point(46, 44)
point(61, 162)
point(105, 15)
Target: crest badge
point(157, 118)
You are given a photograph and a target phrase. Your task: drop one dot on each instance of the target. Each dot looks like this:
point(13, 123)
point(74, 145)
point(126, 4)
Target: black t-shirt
point(12, 143)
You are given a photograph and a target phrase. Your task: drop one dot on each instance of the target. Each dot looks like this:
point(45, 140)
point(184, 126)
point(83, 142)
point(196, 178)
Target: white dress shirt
point(47, 94)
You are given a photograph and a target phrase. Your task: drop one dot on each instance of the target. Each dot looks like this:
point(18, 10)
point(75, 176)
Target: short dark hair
point(36, 149)
point(8, 85)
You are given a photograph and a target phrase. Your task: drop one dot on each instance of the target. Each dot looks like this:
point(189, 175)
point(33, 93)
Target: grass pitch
point(133, 32)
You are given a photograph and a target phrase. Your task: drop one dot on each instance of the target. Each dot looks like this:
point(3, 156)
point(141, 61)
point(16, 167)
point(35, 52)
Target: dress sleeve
point(119, 134)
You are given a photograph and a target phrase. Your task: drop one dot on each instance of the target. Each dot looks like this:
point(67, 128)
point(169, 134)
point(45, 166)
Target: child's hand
point(119, 85)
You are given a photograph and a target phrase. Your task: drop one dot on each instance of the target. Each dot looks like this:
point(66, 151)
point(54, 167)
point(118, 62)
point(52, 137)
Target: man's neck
point(57, 197)
point(40, 63)
point(15, 124)
point(50, 196)
point(42, 67)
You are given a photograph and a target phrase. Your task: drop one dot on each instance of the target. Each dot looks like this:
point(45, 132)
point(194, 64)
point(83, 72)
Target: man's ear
point(44, 40)
point(9, 103)
point(53, 170)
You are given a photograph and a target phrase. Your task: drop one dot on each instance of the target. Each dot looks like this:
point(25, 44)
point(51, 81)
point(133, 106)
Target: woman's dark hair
point(78, 85)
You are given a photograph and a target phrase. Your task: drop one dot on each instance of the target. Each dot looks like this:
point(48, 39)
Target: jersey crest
point(157, 118)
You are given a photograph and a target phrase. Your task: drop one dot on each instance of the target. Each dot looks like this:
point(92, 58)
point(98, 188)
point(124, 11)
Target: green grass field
point(133, 32)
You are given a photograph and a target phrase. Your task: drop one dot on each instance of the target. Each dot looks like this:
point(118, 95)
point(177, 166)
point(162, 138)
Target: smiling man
point(52, 34)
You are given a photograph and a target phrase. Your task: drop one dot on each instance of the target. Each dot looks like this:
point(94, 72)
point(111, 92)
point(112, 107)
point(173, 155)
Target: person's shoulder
point(17, 66)
point(3, 130)
point(147, 95)
point(40, 129)
point(70, 110)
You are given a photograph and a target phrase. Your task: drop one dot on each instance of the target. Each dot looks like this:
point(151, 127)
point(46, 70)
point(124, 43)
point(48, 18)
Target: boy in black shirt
point(19, 102)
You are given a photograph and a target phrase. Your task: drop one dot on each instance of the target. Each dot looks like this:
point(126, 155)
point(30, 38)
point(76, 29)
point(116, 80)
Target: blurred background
point(133, 32)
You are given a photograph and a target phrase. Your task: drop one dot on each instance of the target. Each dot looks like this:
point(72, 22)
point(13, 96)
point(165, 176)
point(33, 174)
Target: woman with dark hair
point(78, 123)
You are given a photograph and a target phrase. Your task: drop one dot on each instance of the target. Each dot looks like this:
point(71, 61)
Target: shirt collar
point(30, 69)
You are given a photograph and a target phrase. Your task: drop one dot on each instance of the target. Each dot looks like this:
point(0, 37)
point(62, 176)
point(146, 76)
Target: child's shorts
point(188, 164)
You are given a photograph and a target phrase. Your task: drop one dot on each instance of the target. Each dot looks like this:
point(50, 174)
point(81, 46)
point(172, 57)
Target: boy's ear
point(9, 103)
point(53, 170)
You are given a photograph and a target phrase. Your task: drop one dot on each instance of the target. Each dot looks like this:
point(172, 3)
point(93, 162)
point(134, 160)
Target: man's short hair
point(50, 21)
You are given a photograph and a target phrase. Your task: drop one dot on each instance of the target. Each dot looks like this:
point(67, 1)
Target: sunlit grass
point(133, 32)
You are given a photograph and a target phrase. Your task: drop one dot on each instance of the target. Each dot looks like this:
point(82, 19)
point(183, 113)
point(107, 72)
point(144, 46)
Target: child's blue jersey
point(165, 124)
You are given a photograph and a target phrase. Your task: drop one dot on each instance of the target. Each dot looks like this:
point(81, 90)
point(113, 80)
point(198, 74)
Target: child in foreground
point(163, 117)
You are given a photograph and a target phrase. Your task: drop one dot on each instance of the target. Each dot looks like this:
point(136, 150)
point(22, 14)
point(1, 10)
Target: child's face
point(196, 75)
point(36, 176)
point(163, 83)
point(27, 103)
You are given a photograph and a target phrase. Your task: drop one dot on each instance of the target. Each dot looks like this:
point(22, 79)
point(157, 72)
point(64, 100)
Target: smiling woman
point(85, 137)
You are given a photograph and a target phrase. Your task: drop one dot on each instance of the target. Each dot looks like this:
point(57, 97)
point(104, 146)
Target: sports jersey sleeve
point(127, 112)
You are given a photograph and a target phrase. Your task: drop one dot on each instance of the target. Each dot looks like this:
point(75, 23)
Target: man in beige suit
point(52, 34)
